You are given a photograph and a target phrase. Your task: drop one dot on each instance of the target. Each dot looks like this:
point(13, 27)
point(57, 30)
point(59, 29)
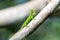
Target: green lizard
point(30, 17)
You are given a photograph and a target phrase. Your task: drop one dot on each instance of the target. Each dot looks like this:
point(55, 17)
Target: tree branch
point(36, 21)
point(10, 15)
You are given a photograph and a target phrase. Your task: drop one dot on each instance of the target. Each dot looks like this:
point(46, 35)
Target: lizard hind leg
point(23, 26)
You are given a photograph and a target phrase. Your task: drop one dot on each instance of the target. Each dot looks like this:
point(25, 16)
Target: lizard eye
point(31, 10)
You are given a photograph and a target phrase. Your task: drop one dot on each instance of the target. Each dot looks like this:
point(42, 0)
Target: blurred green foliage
point(9, 3)
point(49, 30)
